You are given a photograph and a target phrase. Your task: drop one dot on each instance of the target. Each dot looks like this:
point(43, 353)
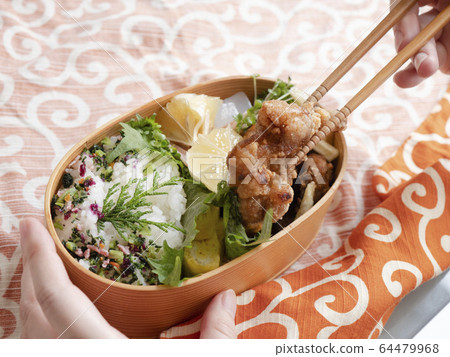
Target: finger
point(426, 60)
point(66, 308)
point(34, 323)
point(406, 29)
point(218, 319)
point(407, 77)
point(440, 4)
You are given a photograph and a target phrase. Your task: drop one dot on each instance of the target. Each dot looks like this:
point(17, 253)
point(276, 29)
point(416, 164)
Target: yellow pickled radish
point(207, 157)
point(187, 115)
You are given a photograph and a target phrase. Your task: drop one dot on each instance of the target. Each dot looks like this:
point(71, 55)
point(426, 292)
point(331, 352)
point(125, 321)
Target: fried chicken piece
point(315, 168)
point(263, 165)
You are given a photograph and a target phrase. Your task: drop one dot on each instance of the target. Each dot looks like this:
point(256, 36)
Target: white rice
point(166, 208)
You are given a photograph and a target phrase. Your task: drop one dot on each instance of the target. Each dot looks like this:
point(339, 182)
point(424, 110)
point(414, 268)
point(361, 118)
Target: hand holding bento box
point(60, 309)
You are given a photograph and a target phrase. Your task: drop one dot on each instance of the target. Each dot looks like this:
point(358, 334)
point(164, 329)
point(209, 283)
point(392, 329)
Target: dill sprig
point(123, 213)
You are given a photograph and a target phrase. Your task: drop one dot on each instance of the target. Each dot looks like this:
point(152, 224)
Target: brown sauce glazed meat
point(258, 165)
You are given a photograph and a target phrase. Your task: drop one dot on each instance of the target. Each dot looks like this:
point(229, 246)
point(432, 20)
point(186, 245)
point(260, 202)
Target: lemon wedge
point(207, 158)
point(187, 116)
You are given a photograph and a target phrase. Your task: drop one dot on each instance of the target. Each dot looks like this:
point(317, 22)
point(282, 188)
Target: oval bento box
point(145, 311)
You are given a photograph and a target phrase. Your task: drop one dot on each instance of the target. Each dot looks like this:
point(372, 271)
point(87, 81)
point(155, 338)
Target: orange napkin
point(429, 143)
point(399, 245)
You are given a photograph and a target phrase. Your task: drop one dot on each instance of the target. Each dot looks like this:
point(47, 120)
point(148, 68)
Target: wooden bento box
point(145, 311)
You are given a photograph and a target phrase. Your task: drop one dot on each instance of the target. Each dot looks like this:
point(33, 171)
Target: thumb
point(218, 319)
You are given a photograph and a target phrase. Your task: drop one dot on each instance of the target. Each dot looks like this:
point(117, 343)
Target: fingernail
point(419, 59)
point(229, 302)
point(398, 39)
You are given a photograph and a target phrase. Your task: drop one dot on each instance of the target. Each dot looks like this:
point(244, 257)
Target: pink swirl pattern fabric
point(68, 67)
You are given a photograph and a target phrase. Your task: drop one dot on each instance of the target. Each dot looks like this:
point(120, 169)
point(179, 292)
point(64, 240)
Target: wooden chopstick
point(339, 119)
point(394, 16)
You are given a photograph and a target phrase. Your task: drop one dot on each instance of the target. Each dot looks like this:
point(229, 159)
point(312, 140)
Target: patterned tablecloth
point(69, 66)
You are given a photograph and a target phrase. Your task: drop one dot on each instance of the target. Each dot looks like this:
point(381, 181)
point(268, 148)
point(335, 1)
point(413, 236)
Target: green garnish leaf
point(145, 134)
point(266, 231)
point(238, 244)
point(168, 265)
point(235, 246)
point(123, 213)
point(197, 198)
point(132, 141)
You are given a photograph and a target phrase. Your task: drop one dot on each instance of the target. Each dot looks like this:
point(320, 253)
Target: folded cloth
point(399, 245)
point(429, 143)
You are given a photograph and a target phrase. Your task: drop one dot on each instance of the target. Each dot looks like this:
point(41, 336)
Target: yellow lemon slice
point(187, 116)
point(207, 158)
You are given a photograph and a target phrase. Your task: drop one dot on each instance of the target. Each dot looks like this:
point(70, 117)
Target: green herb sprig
point(122, 213)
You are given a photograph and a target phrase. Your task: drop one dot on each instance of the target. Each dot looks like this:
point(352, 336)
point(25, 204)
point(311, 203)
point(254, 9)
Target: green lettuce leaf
point(145, 134)
point(238, 243)
point(168, 265)
point(197, 203)
point(132, 141)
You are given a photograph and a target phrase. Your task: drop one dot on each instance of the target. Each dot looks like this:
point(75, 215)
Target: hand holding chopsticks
point(338, 120)
point(434, 56)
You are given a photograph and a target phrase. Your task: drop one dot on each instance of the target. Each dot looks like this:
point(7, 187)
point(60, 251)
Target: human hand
point(51, 306)
point(434, 56)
